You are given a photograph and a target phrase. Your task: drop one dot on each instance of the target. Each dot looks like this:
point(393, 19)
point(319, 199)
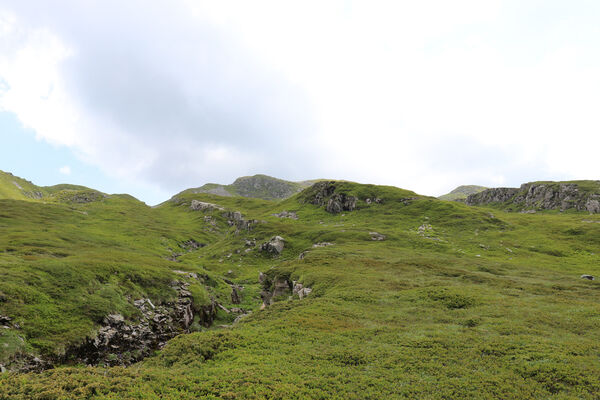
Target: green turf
point(457, 303)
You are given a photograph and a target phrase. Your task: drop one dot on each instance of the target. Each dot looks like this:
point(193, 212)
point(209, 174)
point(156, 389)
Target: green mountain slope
point(15, 188)
point(409, 297)
point(462, 192)
point(257, 186)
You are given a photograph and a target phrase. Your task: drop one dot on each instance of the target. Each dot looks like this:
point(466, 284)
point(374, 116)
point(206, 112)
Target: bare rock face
point(274, 246)
point(542, 196)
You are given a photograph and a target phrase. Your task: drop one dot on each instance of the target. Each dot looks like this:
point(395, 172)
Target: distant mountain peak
point(256, 186)
point(462, 192)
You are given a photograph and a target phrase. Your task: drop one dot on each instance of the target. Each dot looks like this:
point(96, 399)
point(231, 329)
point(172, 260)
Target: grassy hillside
point(257, 186)
point(462, 192)
point(456, 302)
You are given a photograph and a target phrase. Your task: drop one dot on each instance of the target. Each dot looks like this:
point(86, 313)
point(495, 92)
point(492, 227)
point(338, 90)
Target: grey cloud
point(170, 83)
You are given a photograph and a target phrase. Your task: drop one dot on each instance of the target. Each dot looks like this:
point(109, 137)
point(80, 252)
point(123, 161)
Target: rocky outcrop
point(202, 206)
point(543, 196)
point(274, 246)
point(235, 218)
point(120, 341)
point(280, 288)
point(341, 202)
point(325, 194)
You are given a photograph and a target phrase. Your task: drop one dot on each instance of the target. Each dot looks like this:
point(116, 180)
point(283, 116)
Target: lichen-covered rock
point(274, 246)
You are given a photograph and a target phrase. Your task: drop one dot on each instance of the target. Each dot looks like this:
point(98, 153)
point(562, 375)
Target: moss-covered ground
point(457, 302)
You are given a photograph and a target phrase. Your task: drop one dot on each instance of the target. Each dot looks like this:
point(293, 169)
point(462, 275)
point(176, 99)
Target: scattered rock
point(376, 200)
point(5, 320)
point(250, 243)
point(376, 236)
point(322, 244)
point(302, 255)
point(588, 277)
point(192, 244)
point(286, 214)
point(273, 246)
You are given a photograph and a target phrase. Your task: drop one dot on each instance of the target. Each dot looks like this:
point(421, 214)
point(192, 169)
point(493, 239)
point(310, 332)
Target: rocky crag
point(577, 195)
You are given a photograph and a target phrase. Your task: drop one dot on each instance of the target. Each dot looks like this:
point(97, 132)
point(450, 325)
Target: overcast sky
point(152, 97)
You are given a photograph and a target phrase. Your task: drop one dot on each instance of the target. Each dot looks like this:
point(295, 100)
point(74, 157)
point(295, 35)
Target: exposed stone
point(341, 202)
point(286, 214)
point(593, 206)
point(300, 290)
point(192, 244)
point(280, 288)
point(120, 342)
point(202, 206)
point(5, 320)
point(262, 278)
point(236, 294)
point(588, 277)
point(274, 246)
point(250, 243)
point(322, 244)
point(302, 255)
point(376, 200)
point(377, 236)
point(323, 194)
point(235, 218)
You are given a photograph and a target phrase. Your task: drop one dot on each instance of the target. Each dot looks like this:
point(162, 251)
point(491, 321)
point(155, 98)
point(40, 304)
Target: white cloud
point(65, 170)
point(424, 95)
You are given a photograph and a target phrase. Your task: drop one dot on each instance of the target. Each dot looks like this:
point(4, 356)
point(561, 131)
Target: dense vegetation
point(456, 302)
